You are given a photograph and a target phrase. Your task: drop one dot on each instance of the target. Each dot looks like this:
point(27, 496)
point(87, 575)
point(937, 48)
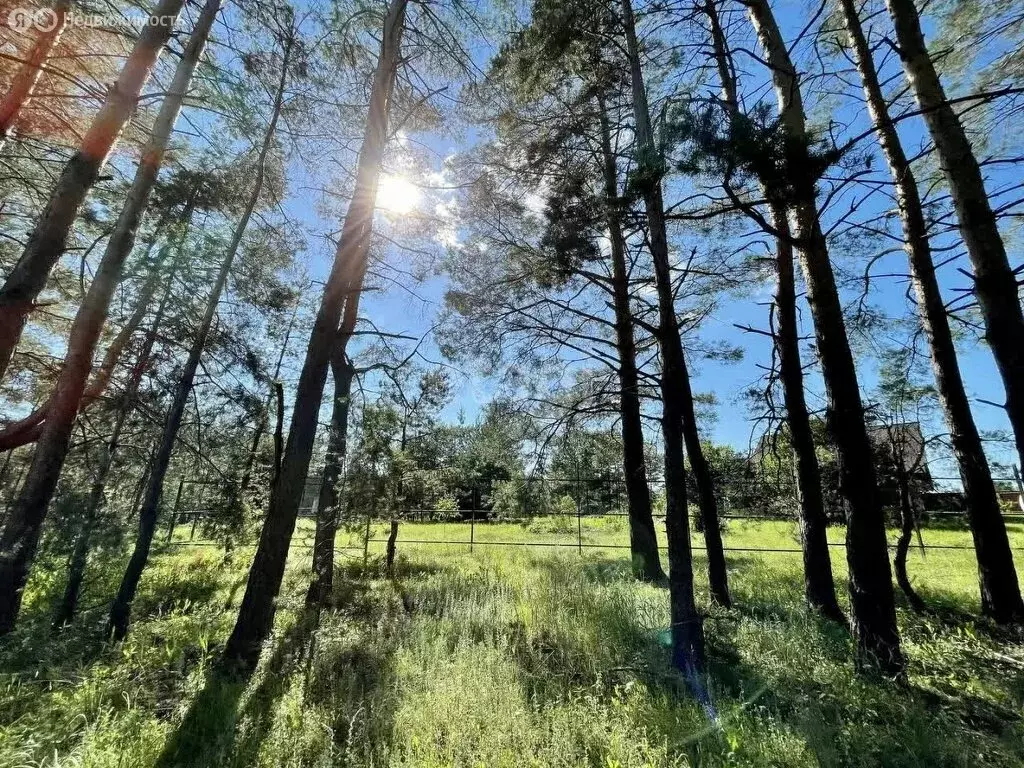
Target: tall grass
point(504, 657)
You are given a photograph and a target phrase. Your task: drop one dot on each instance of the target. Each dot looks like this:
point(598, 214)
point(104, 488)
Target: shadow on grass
point(352, 677)
point(209, 734)
point(839, 717)
point(344, 658)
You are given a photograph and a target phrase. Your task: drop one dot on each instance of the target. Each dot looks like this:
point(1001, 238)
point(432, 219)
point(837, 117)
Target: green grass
point(506, 656)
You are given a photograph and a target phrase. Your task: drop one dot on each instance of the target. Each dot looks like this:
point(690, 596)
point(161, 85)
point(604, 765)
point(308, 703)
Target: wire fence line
point(193, 510)
point(481, 520)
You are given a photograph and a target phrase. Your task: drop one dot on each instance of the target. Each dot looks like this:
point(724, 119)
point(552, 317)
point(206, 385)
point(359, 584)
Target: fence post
point(174, 510)
point(366, 539)
point(1020, 488)
point(579, 511)
point(472, 529)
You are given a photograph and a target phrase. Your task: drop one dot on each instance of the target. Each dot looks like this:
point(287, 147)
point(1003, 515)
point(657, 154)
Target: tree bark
point(28, 429)
point(707, 504)
point(68, 606)
point(999, 587)
point(120, 609)
point(261, 424)
point(20, 92)
point(389, 551)
point(687, 623)
point(819, 586)
point(643, 540)
point(49, 237)
point(995, 282)
point(20, 537)
point(871, 593)
point(903, 544)
point(329, 502)
point(256, 614)
point(278, 431)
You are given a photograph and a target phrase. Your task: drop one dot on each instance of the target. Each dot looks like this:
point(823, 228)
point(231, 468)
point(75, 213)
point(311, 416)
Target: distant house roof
point(905, 438)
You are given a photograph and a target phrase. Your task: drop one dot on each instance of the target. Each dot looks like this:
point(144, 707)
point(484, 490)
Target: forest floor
point(506, 656)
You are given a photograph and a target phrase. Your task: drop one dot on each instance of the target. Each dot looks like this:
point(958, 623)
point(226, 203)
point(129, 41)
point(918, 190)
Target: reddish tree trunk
point(49, 237)
point(20, 537)
point(20, 92)
point(68, 606)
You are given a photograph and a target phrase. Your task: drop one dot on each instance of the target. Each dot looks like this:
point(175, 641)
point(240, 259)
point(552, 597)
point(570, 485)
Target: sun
point(396, 194)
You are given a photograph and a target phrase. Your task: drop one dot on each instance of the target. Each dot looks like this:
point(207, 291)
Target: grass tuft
point(504, 657)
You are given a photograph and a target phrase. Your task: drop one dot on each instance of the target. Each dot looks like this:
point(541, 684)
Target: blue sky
point(399, 311)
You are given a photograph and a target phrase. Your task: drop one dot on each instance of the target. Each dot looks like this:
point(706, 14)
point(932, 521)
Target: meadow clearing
point(506, 656)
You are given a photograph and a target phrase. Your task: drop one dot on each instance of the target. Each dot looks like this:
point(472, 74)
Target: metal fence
point(190, 509)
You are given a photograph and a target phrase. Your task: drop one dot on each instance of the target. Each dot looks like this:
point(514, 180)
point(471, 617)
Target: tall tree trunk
point(261, 424)
point(120, 609)
point(995, 282)
point(687, 623)
point(819, 586)
point(20, 92)
point(49, 237)
point(28, 429)
point(643, 539)
point(907, 521)
point(328, 504)
point(707, 504)
point(20, 537)
point(256, 614)
point(68, 606)
point(1000, 591)
point(871, 593)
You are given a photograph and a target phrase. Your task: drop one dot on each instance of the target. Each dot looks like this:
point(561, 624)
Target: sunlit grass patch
point(508, 656)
